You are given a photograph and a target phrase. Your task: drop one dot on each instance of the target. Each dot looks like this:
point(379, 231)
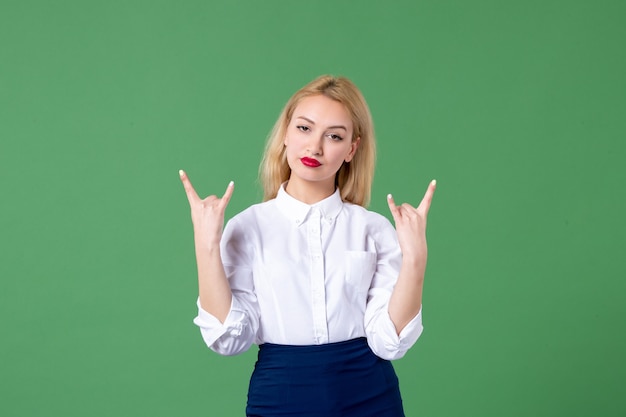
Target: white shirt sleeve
point(384, 340)
point(239, 330)
point(380, 330)
point(234, 336)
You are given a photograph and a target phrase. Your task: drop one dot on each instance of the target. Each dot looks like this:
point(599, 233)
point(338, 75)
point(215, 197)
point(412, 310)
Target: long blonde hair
point(354, 178)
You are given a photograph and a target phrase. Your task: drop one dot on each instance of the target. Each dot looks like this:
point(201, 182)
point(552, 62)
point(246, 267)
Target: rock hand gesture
point(207, 216)
point(406, 300)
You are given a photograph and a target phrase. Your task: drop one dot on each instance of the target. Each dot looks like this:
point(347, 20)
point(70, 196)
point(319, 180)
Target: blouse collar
point(297, 211)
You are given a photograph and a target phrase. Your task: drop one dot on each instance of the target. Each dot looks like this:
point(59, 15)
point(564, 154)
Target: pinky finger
point(191, 192)
point(428, 197)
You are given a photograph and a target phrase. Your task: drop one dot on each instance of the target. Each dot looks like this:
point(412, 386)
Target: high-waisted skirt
point(337, 379)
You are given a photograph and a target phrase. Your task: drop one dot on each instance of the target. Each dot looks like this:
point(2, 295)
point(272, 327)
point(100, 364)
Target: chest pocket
point(360, 268)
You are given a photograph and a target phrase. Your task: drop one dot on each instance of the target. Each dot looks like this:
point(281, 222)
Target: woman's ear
point(353, 147)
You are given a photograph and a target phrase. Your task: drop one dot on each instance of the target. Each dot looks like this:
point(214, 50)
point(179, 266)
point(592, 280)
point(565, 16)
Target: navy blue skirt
point(337, 379)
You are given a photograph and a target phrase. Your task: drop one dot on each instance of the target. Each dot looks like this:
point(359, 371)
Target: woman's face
point(318, 141)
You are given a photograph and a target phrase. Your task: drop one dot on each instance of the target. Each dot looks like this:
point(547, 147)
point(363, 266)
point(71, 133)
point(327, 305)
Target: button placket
point(318, 290)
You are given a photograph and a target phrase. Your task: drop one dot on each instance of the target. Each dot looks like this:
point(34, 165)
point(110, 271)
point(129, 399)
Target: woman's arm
point(207, 216)
point(406, 299)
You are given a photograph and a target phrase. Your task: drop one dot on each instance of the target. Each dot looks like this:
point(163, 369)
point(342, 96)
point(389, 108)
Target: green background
point(517, 108)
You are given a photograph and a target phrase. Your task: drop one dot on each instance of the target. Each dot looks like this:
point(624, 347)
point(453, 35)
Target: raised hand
point(406, 299)
point(207, 214)
point(411, 225)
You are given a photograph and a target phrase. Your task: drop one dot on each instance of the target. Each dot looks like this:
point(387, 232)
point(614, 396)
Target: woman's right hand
point(207, 214)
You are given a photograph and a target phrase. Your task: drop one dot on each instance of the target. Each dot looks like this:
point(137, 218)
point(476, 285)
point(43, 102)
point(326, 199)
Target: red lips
point(310, 162)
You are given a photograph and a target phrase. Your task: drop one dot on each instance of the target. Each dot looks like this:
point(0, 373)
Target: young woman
point(330, 291)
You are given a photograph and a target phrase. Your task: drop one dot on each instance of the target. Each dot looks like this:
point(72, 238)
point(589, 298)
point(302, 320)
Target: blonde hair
point(354, 178)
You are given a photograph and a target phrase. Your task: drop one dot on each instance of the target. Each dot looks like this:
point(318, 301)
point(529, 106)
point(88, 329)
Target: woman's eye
point(303, 128)
point(335, 137)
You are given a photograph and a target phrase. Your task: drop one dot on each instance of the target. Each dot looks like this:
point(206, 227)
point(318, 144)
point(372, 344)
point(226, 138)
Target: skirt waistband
point(330, 354)
point(336, 346)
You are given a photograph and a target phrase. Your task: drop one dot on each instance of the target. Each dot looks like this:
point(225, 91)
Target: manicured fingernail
point(181, 172)
point(434, 182)
point(389, 197)
point(230, 184)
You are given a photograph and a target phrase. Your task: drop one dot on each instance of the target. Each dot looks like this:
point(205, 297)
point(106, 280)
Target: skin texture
point(320, 129)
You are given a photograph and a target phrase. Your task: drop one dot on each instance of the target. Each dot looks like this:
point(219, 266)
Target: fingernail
point(181, 172)
point(389, 197)
point(230, 184)
point(434, 182)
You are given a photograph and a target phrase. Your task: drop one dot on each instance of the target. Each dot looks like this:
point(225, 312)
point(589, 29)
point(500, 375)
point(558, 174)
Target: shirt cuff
point(212, 329)
point(412, 330)
point(395, 346)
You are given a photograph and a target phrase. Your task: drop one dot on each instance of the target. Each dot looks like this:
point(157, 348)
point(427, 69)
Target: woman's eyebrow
point(329, 127)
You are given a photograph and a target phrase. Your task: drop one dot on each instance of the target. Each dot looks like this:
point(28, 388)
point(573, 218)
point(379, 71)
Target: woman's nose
point(315, 145)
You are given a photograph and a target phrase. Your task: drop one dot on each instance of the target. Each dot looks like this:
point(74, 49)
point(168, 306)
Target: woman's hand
point(411, 226)
point(406, 299)
point(207, 214)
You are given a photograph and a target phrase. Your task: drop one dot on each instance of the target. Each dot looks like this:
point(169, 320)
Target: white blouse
point(309, 274)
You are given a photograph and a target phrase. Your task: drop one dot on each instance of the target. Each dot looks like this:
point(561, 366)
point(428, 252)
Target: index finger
point(227, 194)
point(392, 207)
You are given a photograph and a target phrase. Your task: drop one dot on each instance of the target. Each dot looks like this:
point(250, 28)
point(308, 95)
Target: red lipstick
point(310, 162)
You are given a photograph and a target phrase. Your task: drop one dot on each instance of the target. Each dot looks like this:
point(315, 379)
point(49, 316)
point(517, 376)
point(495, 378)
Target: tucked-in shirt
point(307, 275)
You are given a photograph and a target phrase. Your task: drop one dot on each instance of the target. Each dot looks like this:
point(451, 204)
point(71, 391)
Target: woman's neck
point(309, 192)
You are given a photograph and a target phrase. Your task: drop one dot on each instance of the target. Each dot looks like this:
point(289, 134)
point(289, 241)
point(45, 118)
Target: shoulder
point(360, 213)
point(251, 215)
point(371, 226)
point(244, 232)
point(363, 213)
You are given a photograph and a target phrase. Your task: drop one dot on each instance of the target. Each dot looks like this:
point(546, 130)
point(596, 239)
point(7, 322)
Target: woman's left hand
point(411, 226)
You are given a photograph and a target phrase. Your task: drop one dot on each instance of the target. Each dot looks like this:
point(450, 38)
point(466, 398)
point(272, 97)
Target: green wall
point(516, 108)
